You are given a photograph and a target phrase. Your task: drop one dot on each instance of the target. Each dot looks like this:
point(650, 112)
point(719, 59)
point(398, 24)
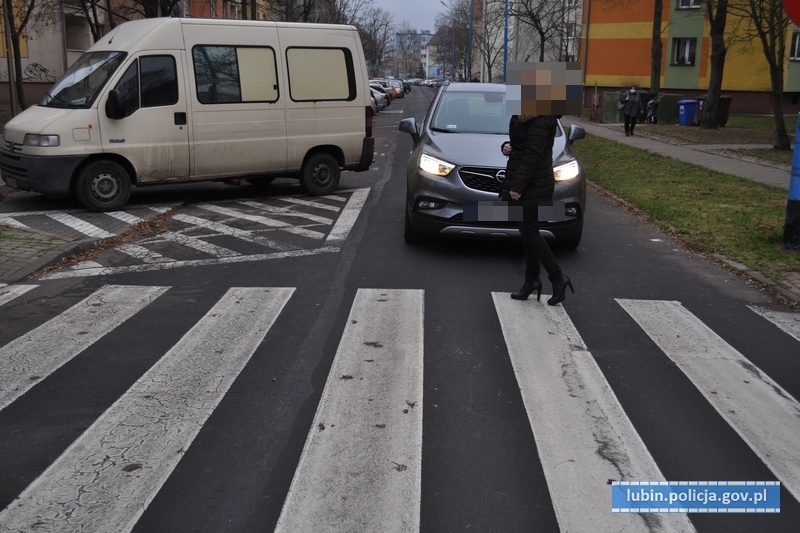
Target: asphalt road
point(497, 415)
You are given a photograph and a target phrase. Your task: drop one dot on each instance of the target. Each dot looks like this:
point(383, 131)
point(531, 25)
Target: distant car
point(399, 87)
point(381, 100)
point(457, 161)
point(378, 87)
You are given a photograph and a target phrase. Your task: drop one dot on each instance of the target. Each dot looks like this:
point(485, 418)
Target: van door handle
point(180, 119)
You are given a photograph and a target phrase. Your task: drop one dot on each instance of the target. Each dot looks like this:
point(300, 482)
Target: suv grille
point(483, 179)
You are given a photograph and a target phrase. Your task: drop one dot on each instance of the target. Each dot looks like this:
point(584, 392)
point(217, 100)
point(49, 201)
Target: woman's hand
point(506, 148)
point(515, 195)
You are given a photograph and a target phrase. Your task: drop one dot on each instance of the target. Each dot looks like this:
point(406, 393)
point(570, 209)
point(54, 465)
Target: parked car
point(381, 100)
point(378, 87)
point(457, 162)
point(398, 86)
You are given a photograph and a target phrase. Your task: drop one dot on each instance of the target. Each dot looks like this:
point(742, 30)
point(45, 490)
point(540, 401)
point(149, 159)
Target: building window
point(794, 51)
point(683, 51)
point(688, 4)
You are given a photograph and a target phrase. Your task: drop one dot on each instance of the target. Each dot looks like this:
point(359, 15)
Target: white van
point(172, 100)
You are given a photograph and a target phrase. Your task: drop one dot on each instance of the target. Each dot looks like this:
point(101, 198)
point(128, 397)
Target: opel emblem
point(500, 177)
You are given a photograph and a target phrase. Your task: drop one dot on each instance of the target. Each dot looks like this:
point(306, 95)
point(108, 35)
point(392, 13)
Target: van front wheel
point(103, 186)
point(320, 175)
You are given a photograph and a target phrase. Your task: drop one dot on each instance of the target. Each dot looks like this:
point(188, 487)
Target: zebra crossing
point(227, 232)
point(361, 466)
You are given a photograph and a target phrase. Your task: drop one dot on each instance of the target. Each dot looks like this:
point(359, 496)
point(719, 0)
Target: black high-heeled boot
point(526, 290)
point(560, 284)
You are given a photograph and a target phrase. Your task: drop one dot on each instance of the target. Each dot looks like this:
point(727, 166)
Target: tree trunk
point(718, 53)
point(656, 50)
point(781, 136)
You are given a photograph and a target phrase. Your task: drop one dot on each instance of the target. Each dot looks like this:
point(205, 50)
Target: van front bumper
point(50, 175)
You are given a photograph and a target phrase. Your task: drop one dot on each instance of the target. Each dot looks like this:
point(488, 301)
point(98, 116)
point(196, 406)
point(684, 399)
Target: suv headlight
point(567, 172)
point(431, 165)
point(32, 139)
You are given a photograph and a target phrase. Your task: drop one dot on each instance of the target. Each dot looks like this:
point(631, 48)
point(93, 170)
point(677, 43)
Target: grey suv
point(457, 166)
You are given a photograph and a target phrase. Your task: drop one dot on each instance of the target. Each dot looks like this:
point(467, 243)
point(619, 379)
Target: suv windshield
point(80, 85)
point(472, 112)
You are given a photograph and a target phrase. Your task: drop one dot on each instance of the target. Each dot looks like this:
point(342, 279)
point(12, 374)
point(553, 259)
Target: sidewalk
point(23, 252)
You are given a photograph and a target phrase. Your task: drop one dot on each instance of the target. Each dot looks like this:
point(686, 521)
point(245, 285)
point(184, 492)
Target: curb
point(49, 258)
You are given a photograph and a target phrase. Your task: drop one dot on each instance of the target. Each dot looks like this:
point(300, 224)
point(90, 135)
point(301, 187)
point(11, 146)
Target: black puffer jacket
point(529, 170)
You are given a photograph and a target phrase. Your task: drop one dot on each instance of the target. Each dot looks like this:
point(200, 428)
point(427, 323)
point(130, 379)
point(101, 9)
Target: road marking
point(361, 465)
point(348, 217)
point(582, 433)
point(224, 229)
point(761, 412)
point(270, 222)
point(102, 271)
point(788, 322)
point(81, 226)
point(143, 254)
point(316, 205)
point(107, 478)
point(9, 221)
point(9, 293)
point(193, 242)
point(26, 361)
point(288, 211)
point(125, 217)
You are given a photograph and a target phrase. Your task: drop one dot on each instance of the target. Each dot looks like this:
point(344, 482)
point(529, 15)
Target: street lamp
point(453, 58)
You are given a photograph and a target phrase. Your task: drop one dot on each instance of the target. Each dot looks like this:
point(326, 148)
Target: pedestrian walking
point(530, 180)
point(632, 108)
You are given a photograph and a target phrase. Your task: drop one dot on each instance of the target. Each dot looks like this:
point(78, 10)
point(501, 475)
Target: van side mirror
point(409, 125)
point(114, 108)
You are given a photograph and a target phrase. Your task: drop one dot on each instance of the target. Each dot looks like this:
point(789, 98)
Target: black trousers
point(535, 248)
point(630, 122)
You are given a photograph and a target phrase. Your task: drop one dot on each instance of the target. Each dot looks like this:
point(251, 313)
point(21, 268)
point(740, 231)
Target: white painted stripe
point(311, 203)
point(270, 222)
point(9, 293)
point(761, 412)
point(194, 262)
point(159, 208)
point(224, 229)
point(288, 211)
point(361, 465)
point(86, 264)
point(80, 226)
point(788, 322)
point(195, 243)
point(31, 358)
point(162, 208)
point(125, 217)
point(10, 221)
point(583, 435)
point(143, 254)
point(108, 477)
point(348, 217)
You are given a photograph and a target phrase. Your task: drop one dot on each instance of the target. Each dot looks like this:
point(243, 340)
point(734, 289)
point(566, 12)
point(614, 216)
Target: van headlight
point(431, 165)
point(32, 139)
point(567, 172)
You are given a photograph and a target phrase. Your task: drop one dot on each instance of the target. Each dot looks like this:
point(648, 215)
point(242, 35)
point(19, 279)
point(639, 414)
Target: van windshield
point(80, 85)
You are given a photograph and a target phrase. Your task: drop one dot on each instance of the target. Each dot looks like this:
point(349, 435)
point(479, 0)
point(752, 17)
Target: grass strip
point(708, 211)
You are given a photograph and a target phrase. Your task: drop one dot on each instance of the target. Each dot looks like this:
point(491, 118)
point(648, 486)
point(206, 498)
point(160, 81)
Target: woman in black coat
point(530, 180)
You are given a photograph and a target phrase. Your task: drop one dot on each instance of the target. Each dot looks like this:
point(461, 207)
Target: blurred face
point(633, 89)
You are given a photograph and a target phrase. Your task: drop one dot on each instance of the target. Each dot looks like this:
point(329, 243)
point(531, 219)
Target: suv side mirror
point(409, 125)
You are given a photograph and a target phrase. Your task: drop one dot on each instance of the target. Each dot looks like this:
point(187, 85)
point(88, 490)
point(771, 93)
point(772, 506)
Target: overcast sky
point(419, 13)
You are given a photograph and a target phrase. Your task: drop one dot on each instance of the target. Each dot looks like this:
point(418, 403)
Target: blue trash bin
point(687, 112)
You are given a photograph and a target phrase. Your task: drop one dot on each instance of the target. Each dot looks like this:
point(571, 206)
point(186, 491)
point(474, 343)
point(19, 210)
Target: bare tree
point(548, 21)
point(488, 37)
point(716, 14)
point(291, 10)
point(376, 37)
point(769, 23)
point(16, 24)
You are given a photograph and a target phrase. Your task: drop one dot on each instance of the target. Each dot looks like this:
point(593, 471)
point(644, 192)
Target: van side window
point(320, 74)
point(159, 81)
point(157, 85)
point(235, 74)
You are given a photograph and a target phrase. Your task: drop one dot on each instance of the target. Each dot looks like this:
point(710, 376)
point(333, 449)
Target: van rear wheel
point(103, 186)
point(320, 175)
